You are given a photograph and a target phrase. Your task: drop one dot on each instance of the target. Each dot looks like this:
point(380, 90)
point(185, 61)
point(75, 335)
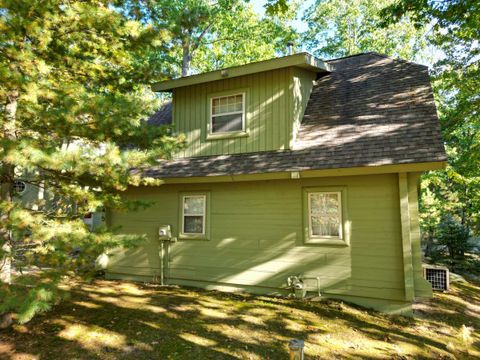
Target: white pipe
point(313, 278)
point(162, 254)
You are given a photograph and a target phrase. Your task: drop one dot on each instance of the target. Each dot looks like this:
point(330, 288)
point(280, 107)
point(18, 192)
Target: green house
point(294, 167)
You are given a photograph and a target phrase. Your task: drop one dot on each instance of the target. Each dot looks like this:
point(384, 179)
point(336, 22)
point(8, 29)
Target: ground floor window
point(193, 215)
point(324, 215)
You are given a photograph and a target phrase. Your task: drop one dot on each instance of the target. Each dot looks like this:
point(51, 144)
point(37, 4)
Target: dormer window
point(227, 113)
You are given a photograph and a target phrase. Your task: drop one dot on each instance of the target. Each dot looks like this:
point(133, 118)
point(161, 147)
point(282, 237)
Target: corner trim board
point(406, 236)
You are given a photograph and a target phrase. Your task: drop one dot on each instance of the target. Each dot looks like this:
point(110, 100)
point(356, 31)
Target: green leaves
point(455, 32)
point(203, 36)
point(76, 84)
point(345, 27)
point(455, 236)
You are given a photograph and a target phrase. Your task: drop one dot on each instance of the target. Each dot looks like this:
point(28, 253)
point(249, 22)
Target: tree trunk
point(186, 59)
point(429, 243)
point(7, 175)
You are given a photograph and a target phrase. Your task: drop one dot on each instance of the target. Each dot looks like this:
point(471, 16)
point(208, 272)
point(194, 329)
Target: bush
point(454, 236)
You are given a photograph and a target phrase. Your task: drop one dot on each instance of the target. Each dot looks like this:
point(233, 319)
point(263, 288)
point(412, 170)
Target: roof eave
point(304, 174)
point(303, 60)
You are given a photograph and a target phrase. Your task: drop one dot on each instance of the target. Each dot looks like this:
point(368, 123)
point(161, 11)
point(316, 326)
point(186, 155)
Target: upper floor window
point(227, 113)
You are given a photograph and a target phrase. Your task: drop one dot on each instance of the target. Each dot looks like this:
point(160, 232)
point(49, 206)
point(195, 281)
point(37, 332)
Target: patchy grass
point(123, 320)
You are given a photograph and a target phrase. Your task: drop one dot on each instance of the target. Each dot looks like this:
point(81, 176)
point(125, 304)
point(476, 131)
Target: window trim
point(205, 235)
point(344, 232)
point(227, 134)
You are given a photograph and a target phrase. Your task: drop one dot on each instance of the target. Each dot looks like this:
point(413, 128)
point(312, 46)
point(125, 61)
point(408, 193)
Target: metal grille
point(438, 277)
point(19, 187)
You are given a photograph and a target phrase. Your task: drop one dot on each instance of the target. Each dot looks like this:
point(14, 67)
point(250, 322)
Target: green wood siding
point(275, 102)
point(302, 84)
point(256, 238)
point(422, 287)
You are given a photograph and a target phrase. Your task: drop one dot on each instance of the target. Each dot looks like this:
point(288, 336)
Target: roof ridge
point(376, 54)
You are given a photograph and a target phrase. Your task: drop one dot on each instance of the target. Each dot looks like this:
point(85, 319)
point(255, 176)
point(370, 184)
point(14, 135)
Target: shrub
point(454, 236)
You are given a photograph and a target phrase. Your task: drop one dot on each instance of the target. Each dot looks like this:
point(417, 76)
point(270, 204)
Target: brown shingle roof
point(370, 110)
point(162, 116)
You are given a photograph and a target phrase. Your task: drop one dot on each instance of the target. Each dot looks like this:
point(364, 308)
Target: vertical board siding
point(275, 103)
point(422, 287)
point(256, 237)
point(303, 81)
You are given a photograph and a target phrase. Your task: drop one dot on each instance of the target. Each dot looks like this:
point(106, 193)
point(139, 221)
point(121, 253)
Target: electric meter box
point(165, 232)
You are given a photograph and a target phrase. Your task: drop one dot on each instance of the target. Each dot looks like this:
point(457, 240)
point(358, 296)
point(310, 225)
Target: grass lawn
point(123, 320)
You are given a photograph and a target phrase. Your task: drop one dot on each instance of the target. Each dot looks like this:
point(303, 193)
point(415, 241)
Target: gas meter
point(164, 232)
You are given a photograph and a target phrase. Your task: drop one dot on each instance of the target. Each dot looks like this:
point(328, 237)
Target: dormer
point(243, 109)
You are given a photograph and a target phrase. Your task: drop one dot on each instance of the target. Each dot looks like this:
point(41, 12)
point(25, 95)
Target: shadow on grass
point(121, 320)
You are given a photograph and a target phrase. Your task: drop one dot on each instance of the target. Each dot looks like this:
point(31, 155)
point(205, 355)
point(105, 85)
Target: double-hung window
point(325, 215)
point(227, 114)
point(194, 214)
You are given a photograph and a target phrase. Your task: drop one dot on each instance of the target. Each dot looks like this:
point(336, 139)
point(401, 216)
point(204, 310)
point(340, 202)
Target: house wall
point(302, 84)
point(30, 195)
point(271, 107)
point(256, 240)
point(422, 288)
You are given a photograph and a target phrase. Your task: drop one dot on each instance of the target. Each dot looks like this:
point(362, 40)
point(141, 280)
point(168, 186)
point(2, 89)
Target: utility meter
point(164, 232)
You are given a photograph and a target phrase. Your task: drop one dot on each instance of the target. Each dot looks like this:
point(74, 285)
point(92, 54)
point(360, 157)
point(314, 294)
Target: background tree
point(73, 94)
point(454, 236)
point(339, 28)
point(455, 33)
point(243, 37)
point(204, 35)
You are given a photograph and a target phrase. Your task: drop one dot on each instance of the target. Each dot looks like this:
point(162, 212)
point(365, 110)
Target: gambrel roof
point(369, 110)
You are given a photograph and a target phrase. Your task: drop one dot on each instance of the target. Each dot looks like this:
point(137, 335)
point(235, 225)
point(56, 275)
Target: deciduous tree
point(455, 32)
point(345, 27)
point(204, 35)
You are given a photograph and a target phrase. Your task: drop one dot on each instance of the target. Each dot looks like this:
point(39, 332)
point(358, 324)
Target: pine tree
point(73, 96)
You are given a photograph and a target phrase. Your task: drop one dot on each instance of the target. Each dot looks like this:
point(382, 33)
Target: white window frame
point(340, 222)
point(204, 215)
point(227, 113)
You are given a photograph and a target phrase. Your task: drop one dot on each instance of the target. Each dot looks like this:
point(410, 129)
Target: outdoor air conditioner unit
point(437, 276)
